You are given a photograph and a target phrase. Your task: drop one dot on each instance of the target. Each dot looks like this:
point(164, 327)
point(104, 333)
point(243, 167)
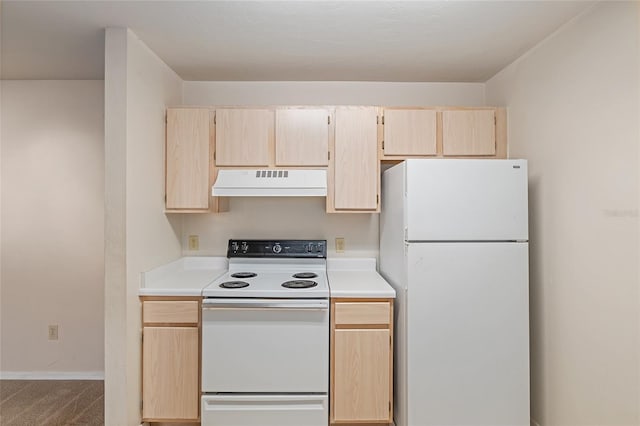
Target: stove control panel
point(277, 248)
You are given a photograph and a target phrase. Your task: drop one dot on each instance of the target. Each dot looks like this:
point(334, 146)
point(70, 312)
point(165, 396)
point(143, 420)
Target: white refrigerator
point(454, 245)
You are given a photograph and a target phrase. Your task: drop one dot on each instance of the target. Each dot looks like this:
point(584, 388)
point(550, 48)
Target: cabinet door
point(361, 376)
point(187, 158)
point(302, 137)
point(469, 132)
point(170, 388)
point(244, 137)
point(409, 132)
point(356, 165)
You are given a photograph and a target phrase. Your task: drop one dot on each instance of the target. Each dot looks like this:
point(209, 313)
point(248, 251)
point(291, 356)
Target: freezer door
point(466, 200)
point(468, 334)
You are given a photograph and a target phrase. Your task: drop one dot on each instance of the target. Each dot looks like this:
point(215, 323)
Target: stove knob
point(234, 247)
point(244, 247)
point(277, 248)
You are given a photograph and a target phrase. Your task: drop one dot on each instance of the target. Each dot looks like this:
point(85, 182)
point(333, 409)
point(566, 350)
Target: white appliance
point(265, 336)
point(454, 245)
point(270, 183)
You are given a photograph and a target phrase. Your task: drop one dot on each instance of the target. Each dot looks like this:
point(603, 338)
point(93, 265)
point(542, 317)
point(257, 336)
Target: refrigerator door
point(466, 200)
point(467, 349)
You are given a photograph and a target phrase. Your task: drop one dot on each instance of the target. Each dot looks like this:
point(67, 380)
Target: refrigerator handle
point(404, 182)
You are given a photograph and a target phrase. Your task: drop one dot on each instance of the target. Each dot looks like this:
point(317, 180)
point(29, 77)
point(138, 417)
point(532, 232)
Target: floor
point(51, 402)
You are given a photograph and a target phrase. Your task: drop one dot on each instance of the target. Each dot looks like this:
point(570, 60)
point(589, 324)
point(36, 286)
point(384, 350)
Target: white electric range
point(265, 336)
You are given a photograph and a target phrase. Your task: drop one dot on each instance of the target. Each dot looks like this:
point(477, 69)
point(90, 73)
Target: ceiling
point(462, 41)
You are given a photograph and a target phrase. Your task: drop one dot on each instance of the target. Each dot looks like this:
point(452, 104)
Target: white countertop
point(357, 278)
point(186, 276)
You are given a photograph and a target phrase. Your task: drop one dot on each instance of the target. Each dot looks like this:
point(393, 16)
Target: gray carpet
point(51, 402)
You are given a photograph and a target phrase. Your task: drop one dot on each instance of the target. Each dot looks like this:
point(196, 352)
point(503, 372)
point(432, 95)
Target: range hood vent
point(270, 183)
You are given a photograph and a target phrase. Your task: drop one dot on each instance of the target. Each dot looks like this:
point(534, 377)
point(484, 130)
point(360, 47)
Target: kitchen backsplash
point(281, 218)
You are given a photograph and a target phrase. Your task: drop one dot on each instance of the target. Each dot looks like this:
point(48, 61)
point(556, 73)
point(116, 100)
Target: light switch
point(340, 245)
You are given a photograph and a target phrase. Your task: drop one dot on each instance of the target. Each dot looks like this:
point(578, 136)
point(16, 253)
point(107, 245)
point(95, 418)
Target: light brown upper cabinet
point(409, 132)
point(244, 137)
point(302, 137)
point(187, 159)
point(469, 132)
point(356, 169)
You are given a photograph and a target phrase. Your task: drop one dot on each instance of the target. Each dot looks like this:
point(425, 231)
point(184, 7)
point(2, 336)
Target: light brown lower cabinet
point(171, 360)
point(361, 361)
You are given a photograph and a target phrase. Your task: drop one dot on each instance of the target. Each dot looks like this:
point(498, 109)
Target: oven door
point(265, 410)
point(265, 345)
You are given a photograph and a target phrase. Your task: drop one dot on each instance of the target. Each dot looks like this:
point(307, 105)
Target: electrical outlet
point(340, 245)
point(53, 332)
point(194, 242)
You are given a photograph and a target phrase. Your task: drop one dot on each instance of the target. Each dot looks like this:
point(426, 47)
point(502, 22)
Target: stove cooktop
point(284, 269)
point(269, 284)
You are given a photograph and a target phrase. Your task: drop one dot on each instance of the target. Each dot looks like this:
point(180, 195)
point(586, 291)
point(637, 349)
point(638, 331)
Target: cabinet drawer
point(362, 313)
point(154, 311)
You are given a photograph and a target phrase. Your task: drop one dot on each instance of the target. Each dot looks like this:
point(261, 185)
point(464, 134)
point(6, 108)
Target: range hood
point(270, 183)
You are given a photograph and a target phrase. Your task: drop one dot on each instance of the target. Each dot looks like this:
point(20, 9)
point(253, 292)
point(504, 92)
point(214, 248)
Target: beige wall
point(573, 113)
point(331, 93)
point(52, 228)
point(139, 236)
point(305, 217)
point(281, 218)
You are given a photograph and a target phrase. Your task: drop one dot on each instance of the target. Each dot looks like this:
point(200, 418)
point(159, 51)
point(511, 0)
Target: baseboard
point(51, 375)
point(534, 423)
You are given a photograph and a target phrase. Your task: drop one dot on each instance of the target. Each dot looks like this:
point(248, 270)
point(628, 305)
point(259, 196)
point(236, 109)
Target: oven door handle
point(285, 304)
point(264, 402)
